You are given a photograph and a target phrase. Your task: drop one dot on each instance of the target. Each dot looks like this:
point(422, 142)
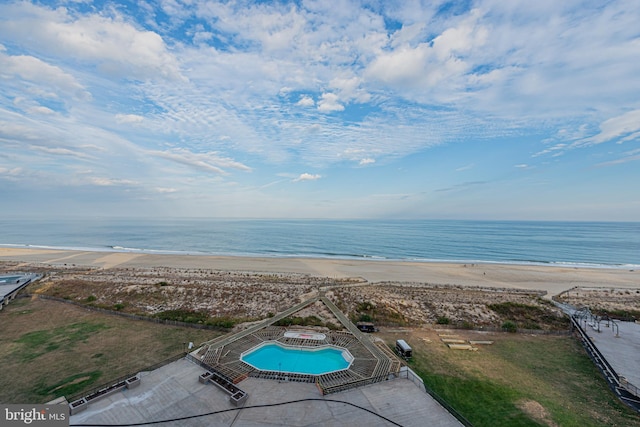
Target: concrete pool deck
point(174, 391)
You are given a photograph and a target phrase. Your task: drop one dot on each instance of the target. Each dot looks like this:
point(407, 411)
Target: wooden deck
point(372, 362)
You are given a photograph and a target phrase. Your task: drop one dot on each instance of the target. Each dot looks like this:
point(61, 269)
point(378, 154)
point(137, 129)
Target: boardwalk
point(11, 284)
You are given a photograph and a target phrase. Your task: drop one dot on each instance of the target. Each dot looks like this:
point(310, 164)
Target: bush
point(509, 326)
point(365, 318)
point(531, 325)
point(465, 324)
point(221, 322)
point(443, 320)
point(365, 306)
point(300, 321)
point(187, 316)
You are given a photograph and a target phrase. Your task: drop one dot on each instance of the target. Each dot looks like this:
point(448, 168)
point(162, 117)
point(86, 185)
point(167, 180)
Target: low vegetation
point(306, 321)
point(618, 314)
point(618, 304)
point(200, 318)
point(411, 304)
point(60, 349)
point(526, 316)
point(519, 380)
point(381, 314)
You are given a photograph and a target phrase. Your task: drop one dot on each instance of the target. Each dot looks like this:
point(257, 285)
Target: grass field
point(49, 349)
point(519, 380)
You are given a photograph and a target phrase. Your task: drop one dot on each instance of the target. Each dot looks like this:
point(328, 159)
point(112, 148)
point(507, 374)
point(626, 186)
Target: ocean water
point(589, 244)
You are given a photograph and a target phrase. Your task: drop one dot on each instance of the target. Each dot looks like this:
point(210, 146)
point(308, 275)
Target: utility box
point(403, 349)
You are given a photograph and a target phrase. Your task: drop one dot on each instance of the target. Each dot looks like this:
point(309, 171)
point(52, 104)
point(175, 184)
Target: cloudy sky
point(485, 109)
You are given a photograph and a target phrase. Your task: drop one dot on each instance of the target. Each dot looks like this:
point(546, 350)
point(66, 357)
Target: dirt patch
point(536, 411)
point(70, 383)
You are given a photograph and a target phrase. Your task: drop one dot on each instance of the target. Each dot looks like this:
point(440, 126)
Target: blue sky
point(485, 109)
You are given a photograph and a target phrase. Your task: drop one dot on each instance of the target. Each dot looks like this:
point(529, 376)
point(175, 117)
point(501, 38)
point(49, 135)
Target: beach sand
point(550, 279)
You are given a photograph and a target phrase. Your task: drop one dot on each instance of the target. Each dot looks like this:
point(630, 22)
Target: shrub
point(365, 306)
point(365, 318)
point(466, 325)
point(187, 316)
point(509, 326)
point(443, 320)
point(221, 322)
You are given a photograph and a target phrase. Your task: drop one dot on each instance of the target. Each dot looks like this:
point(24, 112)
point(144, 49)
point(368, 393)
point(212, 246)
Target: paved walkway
point(174, 391)
point(11, 284)
point(622, 351)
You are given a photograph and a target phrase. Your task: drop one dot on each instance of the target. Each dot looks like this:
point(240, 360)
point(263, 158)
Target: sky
point(488, 109)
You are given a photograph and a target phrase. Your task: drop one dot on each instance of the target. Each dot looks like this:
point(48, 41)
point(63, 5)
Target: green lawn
point(521, 381)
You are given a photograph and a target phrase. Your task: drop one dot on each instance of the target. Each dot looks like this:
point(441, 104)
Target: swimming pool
point(296, 360)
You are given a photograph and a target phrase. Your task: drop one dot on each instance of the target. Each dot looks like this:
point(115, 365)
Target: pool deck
point(174, 391)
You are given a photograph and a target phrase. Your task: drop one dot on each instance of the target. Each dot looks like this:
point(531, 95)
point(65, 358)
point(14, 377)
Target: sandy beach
point(550, 279)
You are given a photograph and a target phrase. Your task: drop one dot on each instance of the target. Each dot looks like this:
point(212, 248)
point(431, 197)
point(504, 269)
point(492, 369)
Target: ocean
point(588, 244)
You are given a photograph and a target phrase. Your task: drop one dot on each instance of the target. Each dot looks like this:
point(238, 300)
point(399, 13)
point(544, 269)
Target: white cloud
point(110, 43)
point(60, 151)
point(37, 71)
point(626, 125)
point(208, 162)
point(329, 102)
point(128, 118)
point(166, 190)
point(10, 173)
point(41, 110)
point(367, 161)
point(307, 177)
point(306, 101)
point(109, 182)
point(466, 167)
point(350, 88)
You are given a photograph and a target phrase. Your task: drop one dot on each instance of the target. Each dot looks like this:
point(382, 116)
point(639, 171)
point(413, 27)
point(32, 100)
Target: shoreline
point(552, 279)
point(153, 252)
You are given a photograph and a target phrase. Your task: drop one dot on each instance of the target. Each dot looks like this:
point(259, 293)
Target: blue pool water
point(273, 357)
